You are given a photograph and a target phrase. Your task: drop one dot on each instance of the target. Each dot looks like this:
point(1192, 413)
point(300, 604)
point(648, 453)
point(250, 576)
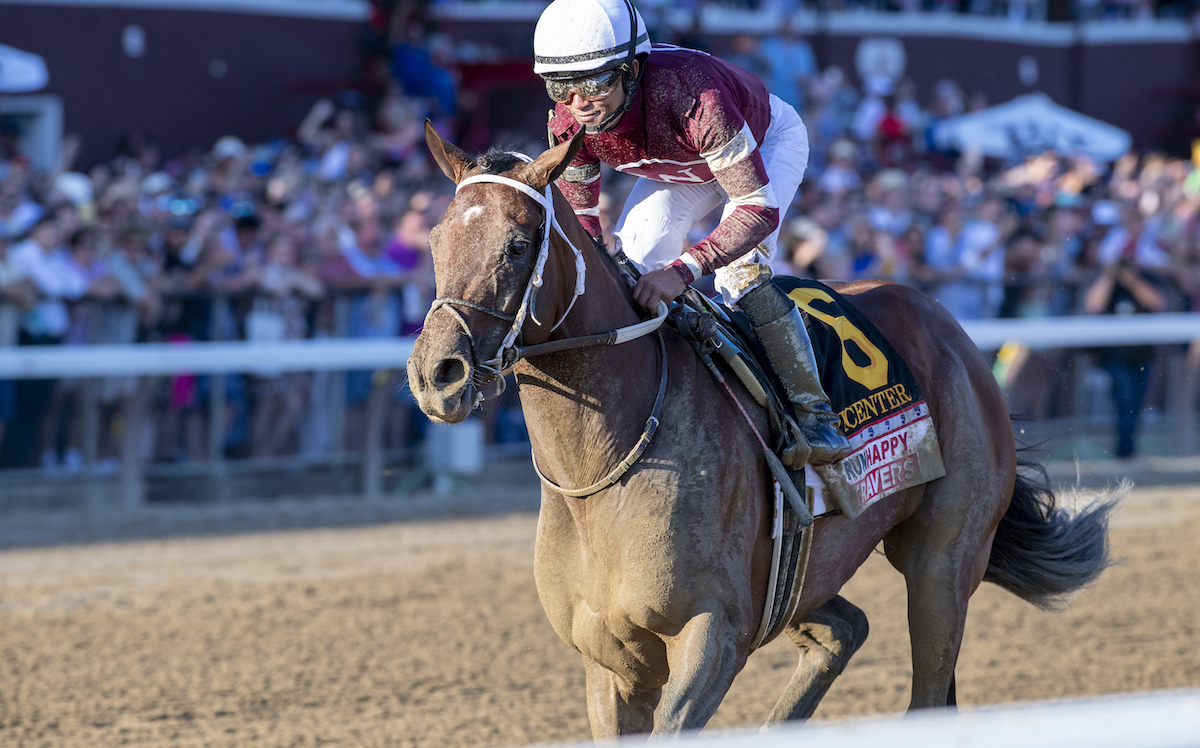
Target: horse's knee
point(853, 627)
point(827, 638)
point(838, 626)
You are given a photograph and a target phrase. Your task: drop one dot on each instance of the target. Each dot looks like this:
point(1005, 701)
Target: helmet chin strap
point(610, 120)
point(629, 82)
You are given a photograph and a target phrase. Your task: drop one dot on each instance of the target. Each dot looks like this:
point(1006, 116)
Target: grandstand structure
point(187, 72)
point(184, 72)
point(1138, 75)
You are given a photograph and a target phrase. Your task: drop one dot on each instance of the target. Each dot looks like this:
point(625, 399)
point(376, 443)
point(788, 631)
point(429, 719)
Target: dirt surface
point(429, 632)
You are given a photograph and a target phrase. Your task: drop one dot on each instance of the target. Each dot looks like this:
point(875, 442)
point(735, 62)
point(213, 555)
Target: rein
point(509, 352)
point(634, 455)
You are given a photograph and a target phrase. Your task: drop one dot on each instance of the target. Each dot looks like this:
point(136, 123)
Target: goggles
point(591, 88)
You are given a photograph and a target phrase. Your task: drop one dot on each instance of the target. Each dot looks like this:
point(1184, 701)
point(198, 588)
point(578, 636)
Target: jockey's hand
point(664, 284)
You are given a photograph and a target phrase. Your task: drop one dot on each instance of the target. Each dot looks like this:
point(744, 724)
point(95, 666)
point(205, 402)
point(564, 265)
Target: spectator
point(408, 248)
point(1122, 288)
point(280, 312)
point(190, 256)
point(872, 108)
point(374, 282)
point(414, 66)
point(942, 271)
point(841, 176)
point(983, 252)
point(1025, 262)
point(789, 64)
point(892, 214)
point(1133, 240)
point(130, 305)
point(745, 53)
point(806, 255)
point(1064, 247)
point(907, 108)
point(62, 436)
point(42, 259)
point(893, 137)
point(869, 250)
point(17, 295)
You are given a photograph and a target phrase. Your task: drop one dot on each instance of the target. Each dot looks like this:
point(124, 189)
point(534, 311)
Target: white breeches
point(657, 216)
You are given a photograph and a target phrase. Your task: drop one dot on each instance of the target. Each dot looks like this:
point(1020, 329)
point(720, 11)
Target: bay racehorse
point(659, 578)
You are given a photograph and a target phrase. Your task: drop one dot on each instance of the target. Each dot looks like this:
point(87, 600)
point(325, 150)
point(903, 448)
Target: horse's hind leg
point(826, 638)
point(942, 555)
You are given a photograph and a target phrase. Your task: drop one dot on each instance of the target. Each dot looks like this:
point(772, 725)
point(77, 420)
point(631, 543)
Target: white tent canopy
point(21, 72)
point(1031, 124)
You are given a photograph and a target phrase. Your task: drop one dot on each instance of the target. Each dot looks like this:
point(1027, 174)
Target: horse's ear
point(453, 162)
point(552, 163)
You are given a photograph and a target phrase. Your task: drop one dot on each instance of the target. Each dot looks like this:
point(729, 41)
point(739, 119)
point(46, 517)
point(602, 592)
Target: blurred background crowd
point(1068, 9)
point(323, 232)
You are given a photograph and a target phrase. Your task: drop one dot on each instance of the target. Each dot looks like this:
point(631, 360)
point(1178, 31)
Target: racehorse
point(658, 578)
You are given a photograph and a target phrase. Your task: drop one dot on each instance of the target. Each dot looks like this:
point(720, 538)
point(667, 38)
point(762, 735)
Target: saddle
point(883, 412)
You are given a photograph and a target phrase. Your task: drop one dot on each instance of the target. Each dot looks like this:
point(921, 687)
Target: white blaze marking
point(471, 213)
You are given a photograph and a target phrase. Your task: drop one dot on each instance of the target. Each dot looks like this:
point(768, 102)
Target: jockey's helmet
point(579, 39)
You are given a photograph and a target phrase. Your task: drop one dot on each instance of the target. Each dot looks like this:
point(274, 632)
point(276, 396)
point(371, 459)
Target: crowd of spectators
point(326, 234)
point(1050, 234)
point(322, 235)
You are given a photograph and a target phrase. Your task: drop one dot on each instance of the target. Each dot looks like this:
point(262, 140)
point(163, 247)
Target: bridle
point(509, 352)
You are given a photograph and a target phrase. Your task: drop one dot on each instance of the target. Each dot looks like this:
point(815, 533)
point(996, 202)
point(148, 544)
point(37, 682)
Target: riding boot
point(781, 329)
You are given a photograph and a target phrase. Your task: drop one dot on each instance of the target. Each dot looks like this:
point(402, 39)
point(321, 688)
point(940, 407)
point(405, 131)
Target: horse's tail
point(1043, 552)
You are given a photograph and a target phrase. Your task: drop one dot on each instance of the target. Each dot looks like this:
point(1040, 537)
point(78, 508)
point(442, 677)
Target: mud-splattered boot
point(781, 329)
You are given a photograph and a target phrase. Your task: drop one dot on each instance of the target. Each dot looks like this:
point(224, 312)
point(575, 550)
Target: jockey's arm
point(752, 220)
point(580, 184)
point(754, 217)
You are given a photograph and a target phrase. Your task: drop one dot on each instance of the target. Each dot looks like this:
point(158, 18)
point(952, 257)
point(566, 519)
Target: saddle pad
point(883, 413)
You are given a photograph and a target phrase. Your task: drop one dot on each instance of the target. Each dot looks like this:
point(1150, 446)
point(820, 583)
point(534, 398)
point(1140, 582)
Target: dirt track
point(429, 633)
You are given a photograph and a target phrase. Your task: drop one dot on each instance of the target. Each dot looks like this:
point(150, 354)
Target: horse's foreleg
point(703, 660)
point(614, 708)
point(826, 638)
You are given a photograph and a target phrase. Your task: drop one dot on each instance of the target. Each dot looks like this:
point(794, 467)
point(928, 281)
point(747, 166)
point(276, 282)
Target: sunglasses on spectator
point(591, 88)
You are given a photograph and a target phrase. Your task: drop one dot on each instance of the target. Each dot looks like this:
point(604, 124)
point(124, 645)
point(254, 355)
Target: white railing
point(1169, 719)
point(156, 359)
point(1086, 332)
point(218, 358)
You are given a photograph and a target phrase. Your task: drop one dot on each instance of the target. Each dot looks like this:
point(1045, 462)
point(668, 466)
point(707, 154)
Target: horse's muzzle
point(441, 384)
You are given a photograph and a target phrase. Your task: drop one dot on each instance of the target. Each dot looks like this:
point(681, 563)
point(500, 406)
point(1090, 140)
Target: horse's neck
point(584, 408)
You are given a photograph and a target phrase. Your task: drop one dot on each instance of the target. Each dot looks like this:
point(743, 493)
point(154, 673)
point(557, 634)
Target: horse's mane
point(499, 159)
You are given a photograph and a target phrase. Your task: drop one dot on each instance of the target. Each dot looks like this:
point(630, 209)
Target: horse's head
point(485, 254)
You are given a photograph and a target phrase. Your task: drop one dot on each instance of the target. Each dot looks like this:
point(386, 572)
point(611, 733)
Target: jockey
point(697, 131)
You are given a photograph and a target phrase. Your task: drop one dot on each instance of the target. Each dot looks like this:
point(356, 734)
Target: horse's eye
point(518, 247)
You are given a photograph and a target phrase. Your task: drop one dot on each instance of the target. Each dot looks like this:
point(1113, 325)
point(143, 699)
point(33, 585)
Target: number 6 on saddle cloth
point(882, 410)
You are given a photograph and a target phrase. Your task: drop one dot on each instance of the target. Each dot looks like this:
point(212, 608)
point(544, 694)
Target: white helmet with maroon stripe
point(576, 37)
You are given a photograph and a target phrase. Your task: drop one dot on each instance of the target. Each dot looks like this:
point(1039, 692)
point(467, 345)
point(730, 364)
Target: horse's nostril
point(449, 371)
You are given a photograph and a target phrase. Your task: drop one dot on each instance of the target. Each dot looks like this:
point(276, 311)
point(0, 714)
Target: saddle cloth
point(883, 412)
